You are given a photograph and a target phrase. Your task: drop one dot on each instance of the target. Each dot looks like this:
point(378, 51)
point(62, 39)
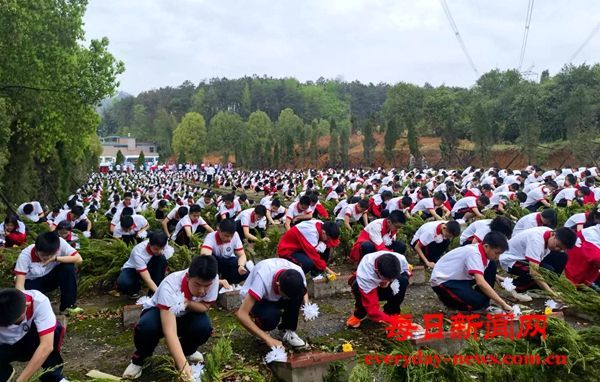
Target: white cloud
point(167, 42)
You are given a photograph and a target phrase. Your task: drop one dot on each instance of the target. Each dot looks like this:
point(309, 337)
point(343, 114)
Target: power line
point(585, 42)
point(526, 32)
point(457, 34)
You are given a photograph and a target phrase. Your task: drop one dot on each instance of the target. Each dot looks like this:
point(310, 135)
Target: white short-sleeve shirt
point(219, 248)
point(367, 278)
point(141, 255)
point(38, 311)
point(461, 263)
point(428, 233)
point(477, 229)
point(528, 245)
point(30, 265)
point(260, 283)
point(169, 290)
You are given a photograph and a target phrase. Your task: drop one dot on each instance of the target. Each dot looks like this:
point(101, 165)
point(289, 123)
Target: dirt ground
point(97, 339)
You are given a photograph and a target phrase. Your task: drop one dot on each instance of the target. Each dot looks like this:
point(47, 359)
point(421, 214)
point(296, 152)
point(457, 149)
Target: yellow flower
point(410, 267)
point(548, 310)
point(347, 347)
point(331, 276)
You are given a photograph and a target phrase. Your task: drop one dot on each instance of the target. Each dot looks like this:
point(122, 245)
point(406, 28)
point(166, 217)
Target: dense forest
point(51, 81)
point(271, 122)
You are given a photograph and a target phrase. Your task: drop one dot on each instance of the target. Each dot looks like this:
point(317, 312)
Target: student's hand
point(242, 270)
point(266, 239)
point(49, 260)
point(225, 284)
point(507, 308)
point(273, 342)
point(187, 374)
point(430, 264)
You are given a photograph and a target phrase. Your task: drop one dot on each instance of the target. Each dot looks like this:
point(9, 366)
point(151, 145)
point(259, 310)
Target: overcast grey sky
point(165, 42)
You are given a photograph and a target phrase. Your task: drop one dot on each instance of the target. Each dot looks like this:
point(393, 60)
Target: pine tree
point(141, 161)
point(389, 142)
point(344, 145)
point(120, 159)
point(334, 144)
point(314, 141)
point(369, 140)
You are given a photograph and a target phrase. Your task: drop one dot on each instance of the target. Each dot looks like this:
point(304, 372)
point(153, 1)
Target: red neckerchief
point(438, 229)
point(69, 217)
point(538, 219)
point(149, 251)
point(484, 258)
point(70, 236)
point(547, 235)
point(185, 288)
point(29, 309)
point(275, 279)
point(218, 239)
point(385, 229)
point(252, 217)
point(34, 257)
point(356, 211)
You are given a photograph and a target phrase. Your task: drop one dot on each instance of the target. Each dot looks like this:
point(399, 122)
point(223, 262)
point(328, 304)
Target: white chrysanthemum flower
point(277, 354)
point(310, 311)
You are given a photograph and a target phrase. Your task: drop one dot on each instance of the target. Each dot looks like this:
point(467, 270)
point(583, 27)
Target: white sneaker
point(197, 357)
point(64, 380)
point(521, 297)
point(132, 372)
point(293, 339)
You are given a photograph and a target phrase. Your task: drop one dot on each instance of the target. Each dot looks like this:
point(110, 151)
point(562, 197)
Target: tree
point(404, 106)
point(481, 133)
point(246, 102)
point(390, 139)
point(442, 112)
point(344, 145)
point(334, 144)
point(369, 140)
point(225, 130)
point(120, 159)
point(189, 138)
point(289, 130)
point(141, 161)
point(164, 125)
point(51, 81)
point(526, 113)
point(258, 144)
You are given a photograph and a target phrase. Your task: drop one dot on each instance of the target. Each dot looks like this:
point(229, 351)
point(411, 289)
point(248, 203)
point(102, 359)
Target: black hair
point(28, 208)
point(64, 225)
point(585, 190)
point(304, 200)
point(363, 203)
point(77, 211)
point(396, 216)
point(549, 215)
point(182, 211)
point(483, 200)
point(571, 179)
point(203, 268)
point(12, 219)
point(291, 283)
point(453, 227)
point(260, 210)
point(128, 194)
point(406, 201)
point(331, 229)
point(195, 208)
point(386, 195)
point(227, 225)
point(162, 203)
point(439, 196)
point(314, 198)
point(388, 266)
point(503, 225)
point(126, 221)
point(47, 242)
point(521, 196)
point(514, 187)
point(127, 211)
point(276, 203)
point(158, 237)
point(496, 240)
point(566, 236)
point(228, 198)
point(12, 306)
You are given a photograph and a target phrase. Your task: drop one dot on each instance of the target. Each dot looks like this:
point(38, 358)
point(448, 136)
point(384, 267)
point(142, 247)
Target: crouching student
point(583, 264)
point(432, 239)
point(477, 230)
point(355, 213)
point(66, 232)
point(226, 246)
point(271, 299)
point(251, 222)
point(184, 323)
point(189, 225)
point(131, 229)
point(379, 235)
point(12, 231)
point(47, 265)
point(375, 274)
point(534, 248)
point(147, 263)
point(29, 332)
point(463, 278)
point(470, 207)
point(309, 244)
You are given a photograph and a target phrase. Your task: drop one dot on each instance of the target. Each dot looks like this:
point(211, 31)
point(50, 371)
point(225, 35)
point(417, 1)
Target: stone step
point(229, 300)
point(312, 366)
point(323, 288)
point(420, 276)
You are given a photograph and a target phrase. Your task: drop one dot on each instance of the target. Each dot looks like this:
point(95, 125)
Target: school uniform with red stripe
point(262, 281)
point(376, 232)
point(304, 237)
point(583, 262)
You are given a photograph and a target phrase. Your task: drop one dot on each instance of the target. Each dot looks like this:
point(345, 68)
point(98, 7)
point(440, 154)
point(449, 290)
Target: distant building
point(129, 148)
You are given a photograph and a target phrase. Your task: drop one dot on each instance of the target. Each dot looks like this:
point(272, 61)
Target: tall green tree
point(481, 133)
point(246, 102)
point(314, 142)
point(369, 139)
point(258, 144)
point(164, 126)
point(225, 133)
point(442, 113)
point(189, 138)
point(141, 161)
point(289, 129)
point(345, 145)
point(120, 158)
point(390, 139)
point(51, 81)
point(404, 106)
point(525, 110)
point(334, 144)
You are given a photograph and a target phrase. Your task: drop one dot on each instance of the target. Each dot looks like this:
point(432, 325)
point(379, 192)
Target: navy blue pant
point(393, 301)
point(63, 277)
point(282, 314)
point(254, 231)
point(308, 266)
point(130, 282)
point(464, 295)
point(193, 330)
point(367, 247)
point(555, 261)
point(433, 251)
point(228, 270)
point(23, 350)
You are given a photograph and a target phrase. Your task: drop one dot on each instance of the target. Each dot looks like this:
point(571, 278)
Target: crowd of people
point(452, 203)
